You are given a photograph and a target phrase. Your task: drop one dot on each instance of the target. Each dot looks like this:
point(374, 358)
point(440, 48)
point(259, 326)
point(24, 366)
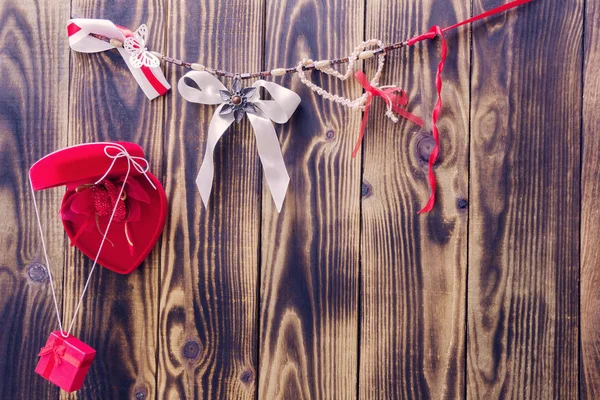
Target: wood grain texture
point(310, 252)
point(208, 317)
point(590, 212)
point(348, 293)
point(33, 122)
point(120, 313)
point(414, 266)
point(524, 214)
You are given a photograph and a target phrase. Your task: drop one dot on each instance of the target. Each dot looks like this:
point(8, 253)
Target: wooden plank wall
point(589, 305)
point(209, 276)
point(33, 78)
point(115, 110)
point(348, 293)
point(525, 173)
point(310, 253)
point(414, 268)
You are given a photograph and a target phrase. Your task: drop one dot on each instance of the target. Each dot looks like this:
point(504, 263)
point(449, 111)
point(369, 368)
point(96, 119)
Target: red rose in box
point(107, 182)
point(65, 361)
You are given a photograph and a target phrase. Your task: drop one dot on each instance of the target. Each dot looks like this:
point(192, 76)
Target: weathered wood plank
point(208, 317)
point(414, 267)
point(120, 313)
point(34, 66)
point(590, 212)
point(523, 309)
point(310, 252)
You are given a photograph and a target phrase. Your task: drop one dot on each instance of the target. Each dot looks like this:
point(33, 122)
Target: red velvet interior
point(116, 253)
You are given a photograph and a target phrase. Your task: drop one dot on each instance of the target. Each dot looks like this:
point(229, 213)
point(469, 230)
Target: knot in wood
point(247, 376)
point(140, 394)
point(424, 147)
point(366, 190)
point(191, 349)
point(37, 272)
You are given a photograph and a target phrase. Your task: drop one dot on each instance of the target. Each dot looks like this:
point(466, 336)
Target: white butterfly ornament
point(136, 46)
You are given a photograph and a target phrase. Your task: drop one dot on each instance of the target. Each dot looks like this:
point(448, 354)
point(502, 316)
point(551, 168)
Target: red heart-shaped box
point(79, 168)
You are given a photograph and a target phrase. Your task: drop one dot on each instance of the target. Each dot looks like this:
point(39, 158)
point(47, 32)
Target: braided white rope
point(356, 104)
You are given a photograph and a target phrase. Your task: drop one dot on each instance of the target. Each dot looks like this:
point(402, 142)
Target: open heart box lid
point(128, 243)
point(82, 163)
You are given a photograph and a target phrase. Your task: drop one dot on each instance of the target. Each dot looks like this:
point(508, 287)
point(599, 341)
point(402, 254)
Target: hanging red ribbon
point(437, 110)
point(394, 97)
point(434, 32)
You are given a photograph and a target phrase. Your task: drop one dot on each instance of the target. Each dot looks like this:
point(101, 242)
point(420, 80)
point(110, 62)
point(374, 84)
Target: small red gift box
point(65, 361)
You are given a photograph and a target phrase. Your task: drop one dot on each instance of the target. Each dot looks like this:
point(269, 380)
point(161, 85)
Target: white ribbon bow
point(121, 152)
point(278, 110)
point(150, 78)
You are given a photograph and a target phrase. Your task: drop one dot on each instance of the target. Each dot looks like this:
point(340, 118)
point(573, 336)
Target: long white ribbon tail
point(271, 158)
point(218, 126)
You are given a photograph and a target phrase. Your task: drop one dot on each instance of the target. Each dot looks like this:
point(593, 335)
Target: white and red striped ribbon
point(151, 79)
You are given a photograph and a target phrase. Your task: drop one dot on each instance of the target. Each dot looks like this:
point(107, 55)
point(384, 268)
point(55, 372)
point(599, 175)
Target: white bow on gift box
point(261, 113)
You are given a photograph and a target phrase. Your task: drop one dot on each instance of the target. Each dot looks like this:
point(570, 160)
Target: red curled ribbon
point(437, 110)
point(432, 34)
point(393, 101)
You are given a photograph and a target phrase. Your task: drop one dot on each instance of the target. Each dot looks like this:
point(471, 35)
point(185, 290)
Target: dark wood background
point(348, 293)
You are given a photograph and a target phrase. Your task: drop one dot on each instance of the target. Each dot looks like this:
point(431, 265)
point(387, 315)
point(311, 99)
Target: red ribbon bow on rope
point(56, 349)
point(394, 97)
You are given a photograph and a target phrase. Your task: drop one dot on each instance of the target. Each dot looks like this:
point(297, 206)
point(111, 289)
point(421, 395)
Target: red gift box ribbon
point(55, 348)
point(58, 353)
